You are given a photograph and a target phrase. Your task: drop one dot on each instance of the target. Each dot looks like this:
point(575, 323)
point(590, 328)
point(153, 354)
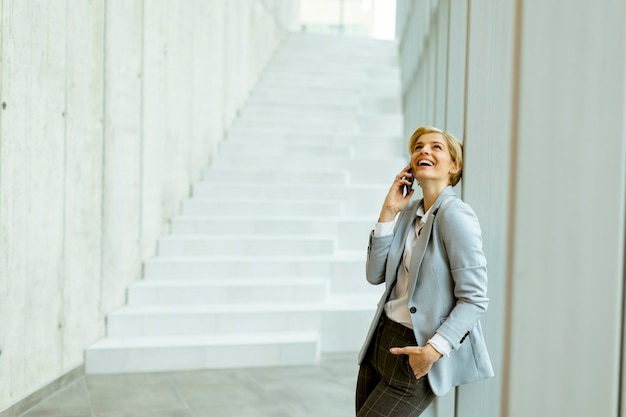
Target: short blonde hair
point(454, 146)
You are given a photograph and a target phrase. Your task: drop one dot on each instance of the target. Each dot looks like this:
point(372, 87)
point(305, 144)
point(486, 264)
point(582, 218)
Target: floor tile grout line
point(170, 378)
point(88, 394)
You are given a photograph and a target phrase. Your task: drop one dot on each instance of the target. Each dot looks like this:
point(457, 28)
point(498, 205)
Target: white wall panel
point(84, 127)
point(567, 242)
point(488, 115)
point(122, 149)
point(540, 104)
point(154, 157)
point(14, 189)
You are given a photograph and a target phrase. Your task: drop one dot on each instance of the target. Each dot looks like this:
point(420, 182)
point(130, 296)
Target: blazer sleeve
point(376, 263)
point(462, 238)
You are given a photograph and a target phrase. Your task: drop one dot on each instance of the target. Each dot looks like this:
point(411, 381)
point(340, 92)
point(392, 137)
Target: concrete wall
point(109, 111)
point(536, 91)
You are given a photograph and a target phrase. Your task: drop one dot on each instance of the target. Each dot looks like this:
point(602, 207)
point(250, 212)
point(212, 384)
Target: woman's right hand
point(395, 201)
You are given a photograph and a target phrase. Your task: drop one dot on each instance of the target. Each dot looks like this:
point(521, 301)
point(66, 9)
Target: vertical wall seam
point(103, 155)
point(64, 254)
point(1, 118)
point(510, 239)
point(622, 354)
point(622, 373)
point(468, 27)
point(142, 141)
point(446, 84)
point(192, 140)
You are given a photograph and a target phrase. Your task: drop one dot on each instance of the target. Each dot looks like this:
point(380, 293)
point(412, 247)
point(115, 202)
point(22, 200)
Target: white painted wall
point(109, 111)
point(536, 91)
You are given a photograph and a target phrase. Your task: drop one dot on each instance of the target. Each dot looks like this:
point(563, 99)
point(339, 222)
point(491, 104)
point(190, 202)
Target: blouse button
point(413, 310)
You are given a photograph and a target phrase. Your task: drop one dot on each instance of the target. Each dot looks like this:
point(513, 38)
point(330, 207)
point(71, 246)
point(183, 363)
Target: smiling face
point(431, 160)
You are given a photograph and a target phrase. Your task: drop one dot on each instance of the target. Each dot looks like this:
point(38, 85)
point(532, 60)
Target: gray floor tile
point(142, 392)
point(325, 390)
point(53, 412)
point(71, 401)
point(146, 413)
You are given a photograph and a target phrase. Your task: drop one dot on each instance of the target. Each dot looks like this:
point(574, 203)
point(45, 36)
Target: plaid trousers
point(386, 385)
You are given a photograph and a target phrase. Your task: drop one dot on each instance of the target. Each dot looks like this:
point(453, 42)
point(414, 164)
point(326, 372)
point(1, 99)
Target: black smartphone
point(407, 188)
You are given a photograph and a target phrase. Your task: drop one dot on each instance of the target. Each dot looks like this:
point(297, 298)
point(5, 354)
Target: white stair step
point(275, 175)
point(352, 49)
point(269, 190)
point(237, 267)
point(274, 136)
point(346, 321)
point(256, 148)
point(190, 292)
point(260, 208)
point(318, 88)
point(390, 124)
point(297, 225)
point(371, 50)
point(339, 66)
point(323, 64)
point(303, 111)
point(351, 233)
point(237, 245)
point(375, 171)
point(209, 225)
point(377, 146)
point(381, 105)
point(293, 162)
point(311, 77)
point(297, 118)
point(360, 145)
point(347, 270)
point(273, 105)
point(150, 321)
point(354, 199)
point(336, 74)
point(293, 130)
point(305, 84)
point(315, 125)
point(307, 163)
point(334, 100)
point(161, 354)
point(347, 277)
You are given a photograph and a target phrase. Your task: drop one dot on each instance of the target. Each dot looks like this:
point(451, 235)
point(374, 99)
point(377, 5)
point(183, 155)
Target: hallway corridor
point(322, 390)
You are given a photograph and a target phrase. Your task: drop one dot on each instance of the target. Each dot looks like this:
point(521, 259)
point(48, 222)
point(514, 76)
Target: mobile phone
point(407, 188)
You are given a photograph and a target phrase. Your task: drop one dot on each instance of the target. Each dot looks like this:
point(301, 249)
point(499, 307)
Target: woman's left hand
point(421, 359)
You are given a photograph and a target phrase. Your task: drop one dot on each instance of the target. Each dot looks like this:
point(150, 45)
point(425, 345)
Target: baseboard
point(21, 406)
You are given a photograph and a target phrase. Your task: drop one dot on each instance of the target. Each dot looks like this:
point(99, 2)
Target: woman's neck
point(431, 191)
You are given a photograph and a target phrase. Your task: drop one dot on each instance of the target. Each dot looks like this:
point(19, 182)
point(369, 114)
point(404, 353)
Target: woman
point(426, 336)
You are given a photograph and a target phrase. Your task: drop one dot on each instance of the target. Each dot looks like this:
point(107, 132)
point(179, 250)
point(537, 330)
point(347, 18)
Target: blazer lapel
point(422, 241)
point(397, 247)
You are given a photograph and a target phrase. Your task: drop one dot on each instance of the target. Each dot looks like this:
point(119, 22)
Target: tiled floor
point(325, 390)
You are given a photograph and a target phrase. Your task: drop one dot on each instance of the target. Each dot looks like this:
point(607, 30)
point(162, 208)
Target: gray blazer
point(447, 286)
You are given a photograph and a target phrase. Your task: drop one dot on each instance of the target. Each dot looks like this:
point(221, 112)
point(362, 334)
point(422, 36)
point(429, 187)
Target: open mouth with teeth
point(424, 163)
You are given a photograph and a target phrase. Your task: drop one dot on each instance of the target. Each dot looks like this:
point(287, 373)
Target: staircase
point(265, 264)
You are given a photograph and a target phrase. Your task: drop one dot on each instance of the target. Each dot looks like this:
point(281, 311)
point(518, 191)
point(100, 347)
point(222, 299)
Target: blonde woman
point(426, 336)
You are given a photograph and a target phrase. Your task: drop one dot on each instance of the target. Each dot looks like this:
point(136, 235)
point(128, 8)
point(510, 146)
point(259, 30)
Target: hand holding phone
point(407, 188)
